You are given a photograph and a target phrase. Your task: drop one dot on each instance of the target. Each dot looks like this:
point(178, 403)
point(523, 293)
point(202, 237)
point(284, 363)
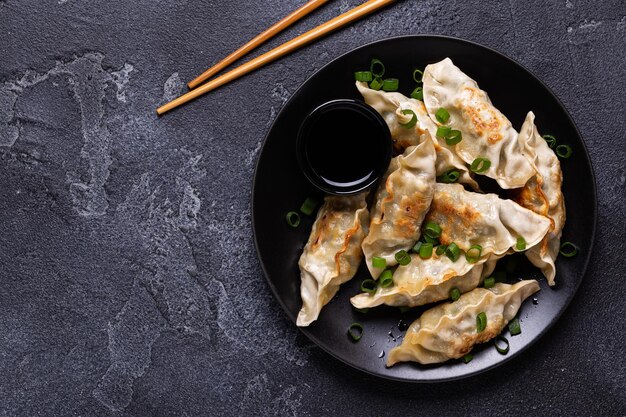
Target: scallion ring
point(454, 137)
point(308, 207)
point(467, 358)
point(489, 282)
point(363, 76)
point(473, 253)
point(481, 322)
point(455, 293)
point(432, 229)
point(362, 310)
point(391, 84)
point(450, 177)
point(411, 123)
point(378, 262)
point(497, 342)
point(418, 93)
point(355, 331)
point(480, 165)
point(402, 257)
point(386, 279)
point(441, 249)
point(368, 286)
point(426, 250)
point(376, 83)
point(293, 219)
point(550, 140)
point(442, 115)
point(568, 249)
point(564, 151)
point(417, 75)
point(453, 251)
point(443, 131)
point(377, 72)
point(514, 327)
point(521, 243)
point(428, 239)
point(417, 246)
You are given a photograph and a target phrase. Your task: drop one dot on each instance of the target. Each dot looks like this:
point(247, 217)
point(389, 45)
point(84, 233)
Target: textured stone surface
point(119, 291)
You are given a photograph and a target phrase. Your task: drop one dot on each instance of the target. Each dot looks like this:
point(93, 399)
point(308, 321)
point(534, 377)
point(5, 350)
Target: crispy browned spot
point(346, 242)
point(473, 110)
point(446, 212)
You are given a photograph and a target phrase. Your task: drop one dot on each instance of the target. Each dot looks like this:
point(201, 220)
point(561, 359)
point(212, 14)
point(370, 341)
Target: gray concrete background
point(129, 283)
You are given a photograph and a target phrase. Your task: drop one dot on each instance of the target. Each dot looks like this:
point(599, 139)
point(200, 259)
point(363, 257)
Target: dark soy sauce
point(345, 148)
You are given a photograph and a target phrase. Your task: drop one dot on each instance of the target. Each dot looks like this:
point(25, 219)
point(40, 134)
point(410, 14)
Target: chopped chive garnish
point(481, 322)
point(426, 250)
point(443, 131)
point(453, 251)
point(568, 249)
point(498, 343)
point(521, 243)
point(450, 177)
point(468, 358)
point(376, 83)
point(455, 293)
point(432, 229)
point(417, 75)
point(550, 140)
point(417, 246)
point(500, 276)
point(564, 151)
point(442, 115)
point(480, 165)
point(379, 262)
point(377, 68)
point(454, 137)
point(428, 239)
point(365, 76)
point(473, 253)
point(514, 327)
point(402, 257)
point(362, 310)
point(368, 286)
point(391, 84)
point(293, 219)
point(418, 93)
point(308, 207)
point(355, 331)
point(441, 249)
point(386, 279)
point(410, 123)
point(489, 282)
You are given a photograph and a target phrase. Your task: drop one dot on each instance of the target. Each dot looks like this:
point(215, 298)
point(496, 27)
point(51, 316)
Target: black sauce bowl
point(343, 147)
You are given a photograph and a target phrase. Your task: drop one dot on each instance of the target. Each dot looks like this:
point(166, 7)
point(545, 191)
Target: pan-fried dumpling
point(402, 200)
point(542, 194)
point(332, 253)
point(448, 331)
point(390, 106)
point(467, 218)
point(425, 281)
point(486, 132)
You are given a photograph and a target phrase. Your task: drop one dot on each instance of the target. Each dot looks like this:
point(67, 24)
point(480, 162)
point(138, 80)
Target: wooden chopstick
point(258, 40)
point(284, 49)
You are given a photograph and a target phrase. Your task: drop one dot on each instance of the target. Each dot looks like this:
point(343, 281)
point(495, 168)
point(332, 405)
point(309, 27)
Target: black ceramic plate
point(280, 187)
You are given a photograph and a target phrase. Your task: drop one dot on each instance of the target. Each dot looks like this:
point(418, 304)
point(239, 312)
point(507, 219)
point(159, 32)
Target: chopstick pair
point(268, 57)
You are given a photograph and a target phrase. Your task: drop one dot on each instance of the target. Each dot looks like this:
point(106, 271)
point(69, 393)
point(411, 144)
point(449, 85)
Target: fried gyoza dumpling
point(449, 330)
point(486, 132)
point(542, 194)
point(390, 106)
point(402, 200)
point(332, 253)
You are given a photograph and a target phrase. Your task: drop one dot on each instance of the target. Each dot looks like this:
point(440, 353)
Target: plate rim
point(569, 299)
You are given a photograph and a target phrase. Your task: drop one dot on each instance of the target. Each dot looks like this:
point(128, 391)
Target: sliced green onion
point(426, 250)
point(500, 276)
point(468, 358)
point(480, 165)
point(432, 229)
point(550, 140)
point(453, 252)
point(441, 249)
point(455, 293)
point(418, 93)
point(429, 239)
point(473, 253)
point(411, 123)
point(417, 75)
point(355, 331)
point(514, 327)
point(489, 282)
point(308, 207)
point(417, 246)
point(481, 322)
point(568, 249)
point(377, 72)
point(362, 310)
point(368, 286)
point(365, 76)
point(521, 243)
point(443, 131)
point(442, 115)
point(564, 151)
point(379, 262)
point(496, 342)
point(450, 177)
point(293, 219)
point(391, 84)
point(376, 83)
point(402, 257)
point(454, 137)
point(386, 279)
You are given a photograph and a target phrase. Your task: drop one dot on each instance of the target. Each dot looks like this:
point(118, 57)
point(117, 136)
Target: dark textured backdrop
point(129, 283)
